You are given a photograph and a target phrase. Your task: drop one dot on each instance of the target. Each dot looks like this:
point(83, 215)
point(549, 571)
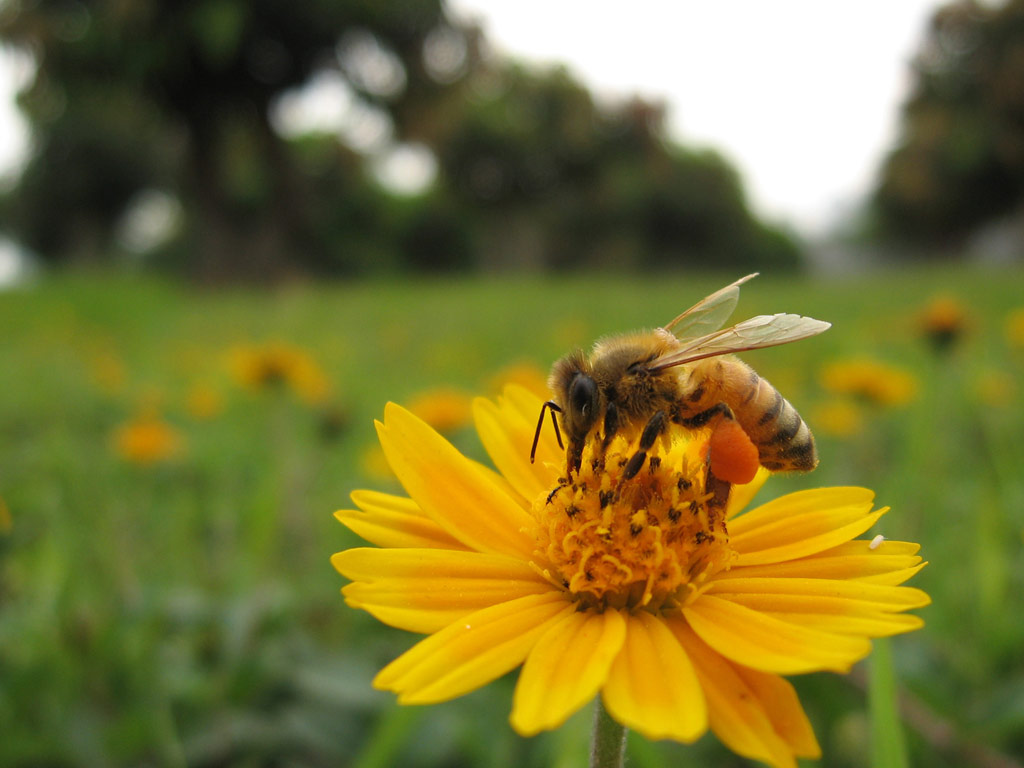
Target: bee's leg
point(716, 486)
point(563, 482)
point(651, 432)
point(574, 457)
point(719, 490)
point(611, 426)
point(705, 417)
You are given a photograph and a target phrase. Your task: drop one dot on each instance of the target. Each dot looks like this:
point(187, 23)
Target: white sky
point(802, 96)
point(14, 69)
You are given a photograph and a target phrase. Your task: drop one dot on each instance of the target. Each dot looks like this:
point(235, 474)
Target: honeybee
point(683, 373)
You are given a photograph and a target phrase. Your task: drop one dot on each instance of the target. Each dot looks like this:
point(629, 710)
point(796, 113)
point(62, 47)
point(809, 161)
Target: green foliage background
point(187, 614)
point(533, 171)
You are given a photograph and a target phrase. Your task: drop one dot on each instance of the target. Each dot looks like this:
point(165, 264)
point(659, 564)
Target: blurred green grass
point(185, 613)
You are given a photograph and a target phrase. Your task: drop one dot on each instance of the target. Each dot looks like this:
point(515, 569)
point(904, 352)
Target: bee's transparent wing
point(709, 314)
point(755, 333)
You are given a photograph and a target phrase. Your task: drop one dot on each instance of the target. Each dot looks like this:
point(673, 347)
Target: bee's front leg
point(611, 425)
point(655, 426)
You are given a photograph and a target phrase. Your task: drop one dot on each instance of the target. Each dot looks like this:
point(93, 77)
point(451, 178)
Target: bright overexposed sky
point(14, 69)
point(802, 96)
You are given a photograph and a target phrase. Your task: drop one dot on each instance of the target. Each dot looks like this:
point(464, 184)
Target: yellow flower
point(445, 409)
point(373, 464)
point(943, 321)
point(204, 402)
point(1015, 328)
point(839, 418)
point(148, 439)
point(108, 372)
point(995, 388)
point(274, 365)
point(873, 381)
point(681, 614)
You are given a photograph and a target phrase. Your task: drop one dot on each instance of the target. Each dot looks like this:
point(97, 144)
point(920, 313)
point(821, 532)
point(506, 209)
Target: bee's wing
point(709, 314)
point(755, 333)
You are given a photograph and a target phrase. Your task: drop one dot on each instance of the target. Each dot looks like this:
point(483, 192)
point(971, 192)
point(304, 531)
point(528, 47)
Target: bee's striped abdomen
point(783, 440)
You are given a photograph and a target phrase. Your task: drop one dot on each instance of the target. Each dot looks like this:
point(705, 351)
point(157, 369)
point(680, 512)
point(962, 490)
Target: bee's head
point(579, 399)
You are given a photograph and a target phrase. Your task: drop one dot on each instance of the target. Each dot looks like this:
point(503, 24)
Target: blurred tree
point(131, 96)
point(959, 162)
point(143, 93)
point(556, 180)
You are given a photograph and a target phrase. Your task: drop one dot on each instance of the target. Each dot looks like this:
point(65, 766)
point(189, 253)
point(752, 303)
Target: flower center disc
point(650, 541)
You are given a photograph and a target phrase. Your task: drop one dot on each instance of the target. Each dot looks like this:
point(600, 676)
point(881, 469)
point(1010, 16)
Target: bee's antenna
point(540, 423)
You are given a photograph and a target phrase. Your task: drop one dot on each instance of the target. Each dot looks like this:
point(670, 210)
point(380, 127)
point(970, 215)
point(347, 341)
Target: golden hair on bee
point(685, 373)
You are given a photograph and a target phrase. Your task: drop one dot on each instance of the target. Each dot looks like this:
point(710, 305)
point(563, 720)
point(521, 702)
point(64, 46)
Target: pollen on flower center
point(650, 541)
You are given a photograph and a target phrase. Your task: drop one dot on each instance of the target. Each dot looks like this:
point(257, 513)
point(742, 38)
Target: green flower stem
point(608, 746)
point(888, 749)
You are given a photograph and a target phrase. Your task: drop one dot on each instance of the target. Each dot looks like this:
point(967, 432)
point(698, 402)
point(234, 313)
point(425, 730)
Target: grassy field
point(166, 596)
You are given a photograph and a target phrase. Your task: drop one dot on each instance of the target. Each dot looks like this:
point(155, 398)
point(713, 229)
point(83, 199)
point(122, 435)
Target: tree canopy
point(959, 162)
point(135, 96)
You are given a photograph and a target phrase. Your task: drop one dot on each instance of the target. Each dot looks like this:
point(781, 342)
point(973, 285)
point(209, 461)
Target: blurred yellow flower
point(373, 464)
point(525, 374)
point(445, 409)
point(943, 321)
point(680, 614)
point(148, 439)
point(108, 372)
point(1015, 328)
point(839, 418)
point(276, 365)
point(204, 402)
point(870, 380)
point(995, 388)
point(6, 521)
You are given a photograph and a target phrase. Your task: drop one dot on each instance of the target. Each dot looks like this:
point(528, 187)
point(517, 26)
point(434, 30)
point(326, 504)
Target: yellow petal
point(652, 686)
point(764, 642)
point(801, 524)
point(783, 707)
point(892, 578)
point(394, 521)
point(503, 483)
point(843, 562)
point(817, 595)
point(885, 548)
point(800, 502)
point(472, 651)
point(876, 624)
point(565, 669)
point(451, 489)
point(424, 590)
point(741, 718)
point(369, 501)
point(507, 437)
point(741, 495)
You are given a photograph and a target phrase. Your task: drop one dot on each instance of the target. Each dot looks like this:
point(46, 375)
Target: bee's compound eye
point(583, 395)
